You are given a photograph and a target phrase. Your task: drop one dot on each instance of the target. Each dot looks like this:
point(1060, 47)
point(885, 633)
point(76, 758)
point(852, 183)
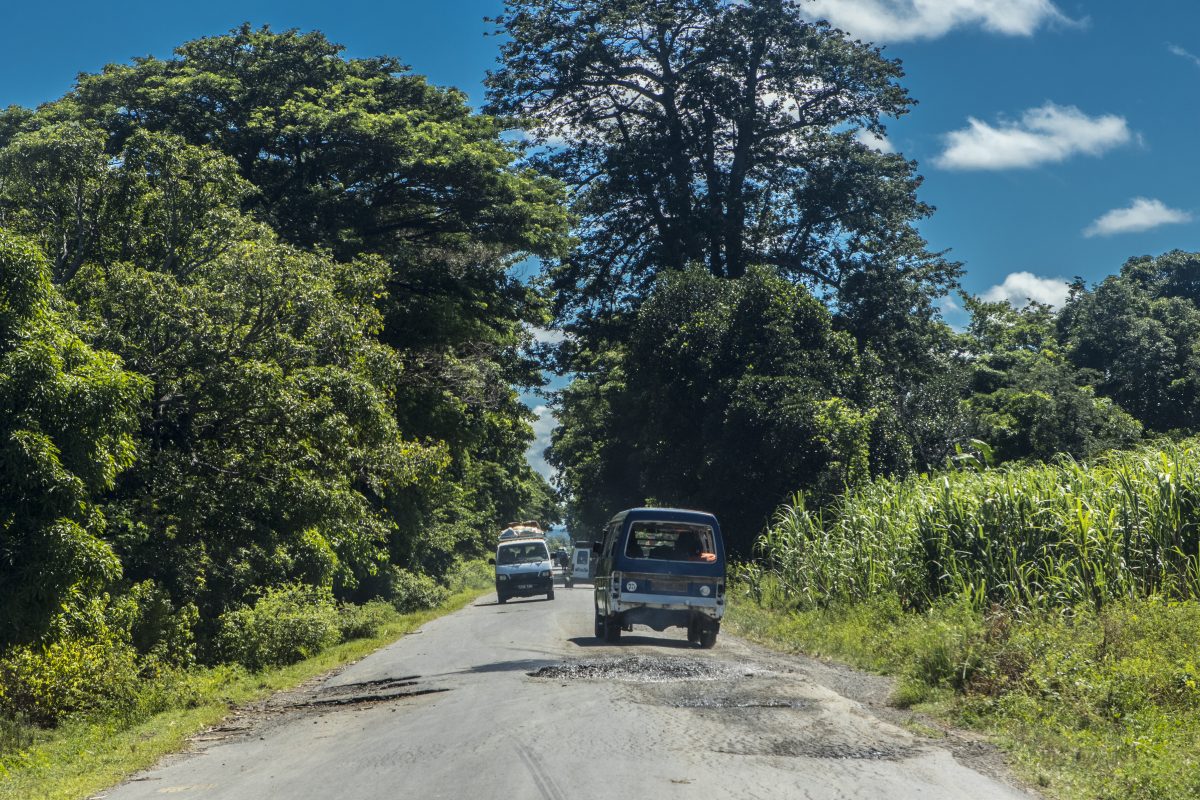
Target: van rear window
point(671, 541)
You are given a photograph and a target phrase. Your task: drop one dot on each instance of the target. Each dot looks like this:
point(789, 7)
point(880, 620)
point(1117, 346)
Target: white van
point(581, 564)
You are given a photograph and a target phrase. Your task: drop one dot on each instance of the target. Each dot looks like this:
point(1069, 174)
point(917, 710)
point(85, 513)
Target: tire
point(599, 626)
point(501, 599)
point(693, 631)
point(550, 595)
point(567, 583)
point(612, 629)
point(708, 635)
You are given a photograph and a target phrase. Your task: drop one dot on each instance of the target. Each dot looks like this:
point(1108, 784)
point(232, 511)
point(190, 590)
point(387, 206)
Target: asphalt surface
point(520, 701)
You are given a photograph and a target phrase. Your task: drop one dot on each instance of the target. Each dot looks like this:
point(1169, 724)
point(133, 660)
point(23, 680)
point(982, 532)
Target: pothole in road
point(804, 748)
point(742, 702)
point(645, 669)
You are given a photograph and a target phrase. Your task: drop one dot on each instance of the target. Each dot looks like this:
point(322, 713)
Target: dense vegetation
point(261, 346)
point(259, 357)
point(750, 308)
point(1058, 604)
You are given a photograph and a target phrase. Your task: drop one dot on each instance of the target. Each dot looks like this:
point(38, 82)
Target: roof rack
point(522, 530)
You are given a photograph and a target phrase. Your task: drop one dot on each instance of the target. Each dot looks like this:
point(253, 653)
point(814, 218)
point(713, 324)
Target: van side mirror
point(597, 548)
point(492, 561)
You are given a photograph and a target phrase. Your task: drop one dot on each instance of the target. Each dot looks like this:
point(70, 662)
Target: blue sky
point(1056, 138)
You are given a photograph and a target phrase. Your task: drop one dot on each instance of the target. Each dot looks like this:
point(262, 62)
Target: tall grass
point(1059, 535)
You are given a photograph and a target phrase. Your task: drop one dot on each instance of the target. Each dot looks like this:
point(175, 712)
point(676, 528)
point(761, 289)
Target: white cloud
point(543, 428)
point(874, 141)
point(546, 336)
point(902, 20)
point(1141, 215)
point(1044, 134)
point(1182, 53)
point(1021, 287)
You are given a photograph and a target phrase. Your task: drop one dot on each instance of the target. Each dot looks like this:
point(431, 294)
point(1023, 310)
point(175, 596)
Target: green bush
point(287, 624)
point(361, 622)
point(48, 683)
point(477, 574)
point(412, 591)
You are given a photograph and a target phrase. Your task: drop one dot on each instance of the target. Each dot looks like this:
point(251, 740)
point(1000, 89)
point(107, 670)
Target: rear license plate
point(670, 586)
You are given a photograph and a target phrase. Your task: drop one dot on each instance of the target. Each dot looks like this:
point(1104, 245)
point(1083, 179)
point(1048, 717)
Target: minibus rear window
point(671, 541)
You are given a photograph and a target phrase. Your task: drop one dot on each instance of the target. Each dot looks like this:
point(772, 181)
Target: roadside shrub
point(361, 622)
point(46, 684)
point(412, 591)
point(287, 624)
point(477, 574)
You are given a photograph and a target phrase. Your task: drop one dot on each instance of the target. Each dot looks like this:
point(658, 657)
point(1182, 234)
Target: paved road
point(453, 712)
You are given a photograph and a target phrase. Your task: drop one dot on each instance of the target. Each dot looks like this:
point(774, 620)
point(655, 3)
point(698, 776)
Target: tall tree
point(1138, 334)
point(730, 396)
point(1026, 399)
point(358, 158)
point(715, 132)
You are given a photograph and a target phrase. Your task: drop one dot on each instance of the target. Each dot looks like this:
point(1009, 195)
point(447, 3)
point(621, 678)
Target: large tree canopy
point(1138, 333)
point(307, 258)
point(713, 132)
point(729, 396)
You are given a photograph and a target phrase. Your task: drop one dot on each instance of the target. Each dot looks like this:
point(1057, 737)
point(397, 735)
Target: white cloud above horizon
point(874, 140)
point(1142, 214)
point(905, 20)
point(543, 428)
point(546, 335)
point(1019, 288)
point(1046, 134)
point(1182, 52)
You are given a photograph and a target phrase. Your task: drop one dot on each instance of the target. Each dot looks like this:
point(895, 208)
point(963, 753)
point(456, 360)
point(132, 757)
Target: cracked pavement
point(521, 701)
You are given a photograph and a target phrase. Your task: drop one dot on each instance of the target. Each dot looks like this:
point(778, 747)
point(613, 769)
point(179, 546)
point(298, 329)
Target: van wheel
point(550, 595)
point(708, 635)
point(599, 626)
point(612, 629)
point(501, 599)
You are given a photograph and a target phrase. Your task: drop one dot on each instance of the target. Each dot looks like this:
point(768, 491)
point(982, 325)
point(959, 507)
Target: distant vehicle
point(523, 568)
point(562, 566)
point(582, 562)
point(663, 568)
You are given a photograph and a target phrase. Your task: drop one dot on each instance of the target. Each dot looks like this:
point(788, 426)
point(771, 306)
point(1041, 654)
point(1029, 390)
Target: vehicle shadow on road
point(516, 665)
point(640, 641)
point(511, 602)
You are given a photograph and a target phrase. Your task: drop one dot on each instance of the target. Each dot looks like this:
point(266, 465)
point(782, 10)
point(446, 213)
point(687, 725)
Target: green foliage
point(728, 395)
point(1092, 704)
point(1028, 400)
point(287, 624)
point(475, 574)
point(1138, 335)
point(44, 684)
point(1043, 536)
point(365, 621)
point(66, 418)
point(720, 134)
point(363, 160)
point(413, 591)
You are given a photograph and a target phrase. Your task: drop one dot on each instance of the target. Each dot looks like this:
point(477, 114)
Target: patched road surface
point(521, 701)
